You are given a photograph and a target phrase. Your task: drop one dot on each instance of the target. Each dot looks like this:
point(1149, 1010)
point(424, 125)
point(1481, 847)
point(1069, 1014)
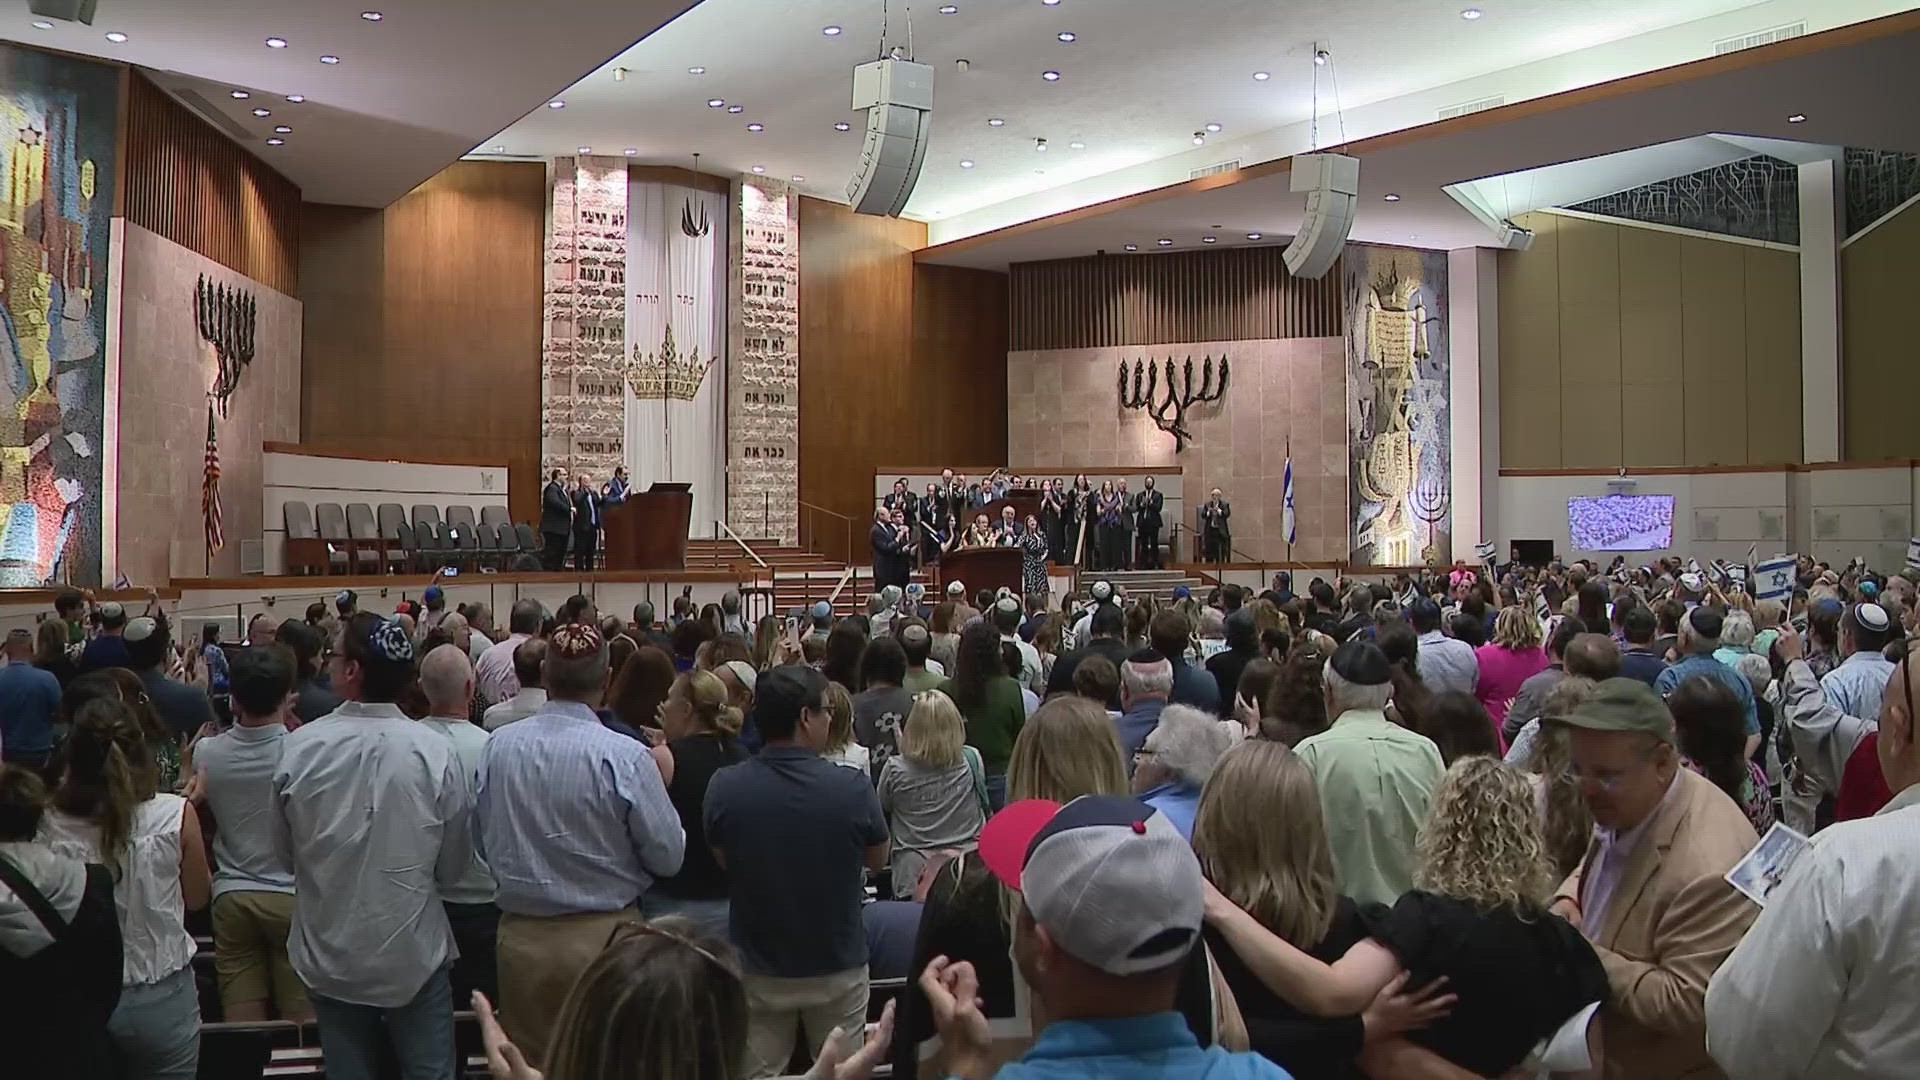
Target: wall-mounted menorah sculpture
point(225, 318)
point(1170, 415)
point(1431, 501)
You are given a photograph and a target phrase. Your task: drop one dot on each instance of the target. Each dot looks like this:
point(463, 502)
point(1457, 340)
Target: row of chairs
point(361, 539)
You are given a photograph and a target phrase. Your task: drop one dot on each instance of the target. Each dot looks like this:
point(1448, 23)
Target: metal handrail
point(845, 576)
point(847, 523)
point(735, 537)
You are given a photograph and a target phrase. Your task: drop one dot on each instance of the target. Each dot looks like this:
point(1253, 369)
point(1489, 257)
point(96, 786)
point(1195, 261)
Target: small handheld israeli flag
point(1773, 579)
point(1486, 550)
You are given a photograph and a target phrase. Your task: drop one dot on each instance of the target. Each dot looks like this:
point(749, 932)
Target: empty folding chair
point(368, 549)
point(332, 523)
point(495, 516)
point(461, 516)
point(403, 544)
point(428, 541)
point(529, 540)
point(390, 517)
point(488, 541)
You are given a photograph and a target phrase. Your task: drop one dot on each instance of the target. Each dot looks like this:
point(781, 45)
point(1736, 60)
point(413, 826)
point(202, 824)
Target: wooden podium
point(649, 530)
point(982, 568)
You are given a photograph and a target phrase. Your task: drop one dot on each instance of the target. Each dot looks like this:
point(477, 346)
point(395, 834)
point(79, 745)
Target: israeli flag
point(1773, 579)
point(1287, 521)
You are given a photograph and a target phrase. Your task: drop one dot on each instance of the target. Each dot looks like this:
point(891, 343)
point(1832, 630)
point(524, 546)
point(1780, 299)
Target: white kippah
point(956, 588)
point(1872, 617)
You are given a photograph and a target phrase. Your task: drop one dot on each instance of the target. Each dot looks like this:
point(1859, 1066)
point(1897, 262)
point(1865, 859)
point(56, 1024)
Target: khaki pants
point(819, 1004)
point(540, 958)
point(250, 954)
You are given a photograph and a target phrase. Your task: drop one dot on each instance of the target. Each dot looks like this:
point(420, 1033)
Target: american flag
point(210, 490)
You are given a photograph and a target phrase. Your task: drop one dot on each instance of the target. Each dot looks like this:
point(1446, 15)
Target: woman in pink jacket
point(1508, 660)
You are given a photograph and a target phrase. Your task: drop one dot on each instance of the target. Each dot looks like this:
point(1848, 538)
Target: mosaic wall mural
point(1398, 422)
point(1756, 197)
point(763, 374)
point(583, 409)
point(58, 118)
point(1878, 182)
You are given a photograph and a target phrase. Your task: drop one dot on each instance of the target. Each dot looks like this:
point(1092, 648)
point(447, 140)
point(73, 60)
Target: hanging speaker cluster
point(1332, 184)
point(898, 98)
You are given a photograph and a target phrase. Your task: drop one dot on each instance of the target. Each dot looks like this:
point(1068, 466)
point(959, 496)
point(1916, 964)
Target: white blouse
point(146, 891)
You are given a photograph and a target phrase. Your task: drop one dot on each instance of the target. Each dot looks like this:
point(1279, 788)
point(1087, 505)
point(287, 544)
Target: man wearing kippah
point(1651, 891)
point(1699, 637)
point(1111, 900)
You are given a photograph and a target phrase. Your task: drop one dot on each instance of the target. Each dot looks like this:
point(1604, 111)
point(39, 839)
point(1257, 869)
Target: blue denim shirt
point(1701, 664)
point(1157, 1047)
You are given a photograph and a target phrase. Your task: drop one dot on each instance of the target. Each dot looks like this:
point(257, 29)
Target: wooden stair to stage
point(1156, 583)
point(797, 576)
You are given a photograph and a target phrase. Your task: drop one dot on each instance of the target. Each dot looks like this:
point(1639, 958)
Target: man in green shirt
point(922, 674)
point(1375, 777)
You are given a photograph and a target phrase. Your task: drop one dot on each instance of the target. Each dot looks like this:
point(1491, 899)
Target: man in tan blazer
point(1651, 893)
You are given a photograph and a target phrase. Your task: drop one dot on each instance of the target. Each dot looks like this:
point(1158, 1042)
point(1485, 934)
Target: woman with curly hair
point(1566, 825)
point(1477, 915)
point(989, 699)
point(1297, 704)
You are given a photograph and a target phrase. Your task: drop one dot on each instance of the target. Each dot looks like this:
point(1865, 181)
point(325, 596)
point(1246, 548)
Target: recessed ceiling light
point(1255, 235)
point(1797, 118)
point(798, 179)
point(631, 151)
point(276, 43)
point(238, 95)
point(1199, 138)
point(994, 121)
point(949, 9)
point(1066, 37)
point(756, 128)
point(1209, 239)
point(276, 142)
point(1050, 76)
point(42, 24)
point(966, 163)
point(263, 112)
point(1391, 197)
point(759, 168)
point(1050, 3)
point(715, 103)
point(584, 149)
point(296, 98)
point(1320, 57)
point(1040, 145)
point(1213, 127)
point(696, 71)
point(1413, 236)
point(830, 31)
point(842, 126)
point(1133, 247)
point(736, 109)
point(1261, 76)
point(116, 37)
point(556, 104)
point(282, 129)
point(329, 59)
point(499, 149)
point(1471, 14)
point(372, 16)
point(1164, 242)
point(1076, 145)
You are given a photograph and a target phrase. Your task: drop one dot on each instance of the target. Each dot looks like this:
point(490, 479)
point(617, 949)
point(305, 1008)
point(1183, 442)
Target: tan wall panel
point(1650, 322)
point(1530, 429)
point(1589, 262)
point(1877, 339)
point(1653, 426)
point(1713, 364)
point(1773, 355)
point(1529, 283)
point(1591, 421)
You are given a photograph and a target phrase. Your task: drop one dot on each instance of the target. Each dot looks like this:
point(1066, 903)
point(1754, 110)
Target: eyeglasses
point(1609, 780)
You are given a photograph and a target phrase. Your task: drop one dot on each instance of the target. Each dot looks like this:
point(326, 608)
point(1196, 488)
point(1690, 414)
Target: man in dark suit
point(1216, 539)
point(1147, 507)
point(556, 521)
point(586, 524)
point(888, 550)
point(902, 499)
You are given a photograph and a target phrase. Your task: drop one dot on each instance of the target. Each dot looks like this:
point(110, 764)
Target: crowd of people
point(1074, 524)
point(1472, 823)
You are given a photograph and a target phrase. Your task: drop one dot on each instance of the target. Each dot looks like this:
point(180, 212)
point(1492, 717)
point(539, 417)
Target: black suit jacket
point(556, 509)
point(586, 510)
point(1150, 504)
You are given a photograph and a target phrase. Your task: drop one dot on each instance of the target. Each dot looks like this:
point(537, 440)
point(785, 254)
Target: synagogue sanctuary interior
point(800, 311)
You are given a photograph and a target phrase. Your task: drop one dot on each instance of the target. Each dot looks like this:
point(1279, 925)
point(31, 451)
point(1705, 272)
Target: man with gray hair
point(731, 621)
point(446, 678)
point(1146, 682)
point(494, 670)
point(1699, 636)
point(1175, 761)
point(1376, 778)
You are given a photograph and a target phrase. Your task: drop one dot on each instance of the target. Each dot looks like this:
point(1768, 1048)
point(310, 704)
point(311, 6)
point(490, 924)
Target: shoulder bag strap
point(37, 903)
point(978, 768)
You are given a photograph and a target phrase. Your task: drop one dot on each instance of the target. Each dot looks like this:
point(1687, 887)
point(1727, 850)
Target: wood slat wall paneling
point(1231, 295)
point(195, 186)
point(423, 322)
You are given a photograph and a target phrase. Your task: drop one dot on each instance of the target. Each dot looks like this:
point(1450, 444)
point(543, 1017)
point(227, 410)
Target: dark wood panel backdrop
point(1233, 295)
point(895, 360)
point(423, 322)
point(195, 186)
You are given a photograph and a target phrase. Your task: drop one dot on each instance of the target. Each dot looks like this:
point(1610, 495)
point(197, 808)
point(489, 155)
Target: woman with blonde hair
point(1511, 658)
point(1566, 825)
point(934, 791)
point(110, 809)
point(766, 641)
point(1477, 915)
point(842, 748)
point(703, 737)
point(1263, 844)
point(1067, 749)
